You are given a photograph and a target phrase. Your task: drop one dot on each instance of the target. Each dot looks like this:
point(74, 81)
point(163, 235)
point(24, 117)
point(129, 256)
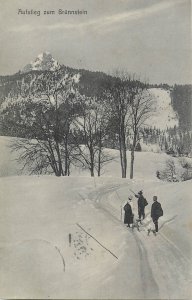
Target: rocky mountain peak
point(43, 62)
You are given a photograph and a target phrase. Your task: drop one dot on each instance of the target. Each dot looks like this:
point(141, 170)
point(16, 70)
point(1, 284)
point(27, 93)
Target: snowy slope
point(8, 164)
point(36, 257)
point(165, 259)
point(37, 214)
point(164, 115)
point(44, 61)
point(37, 260)
point(155, 161)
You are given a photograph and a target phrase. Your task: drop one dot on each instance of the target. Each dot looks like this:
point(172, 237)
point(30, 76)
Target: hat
point(140, 192)
point(130, 197)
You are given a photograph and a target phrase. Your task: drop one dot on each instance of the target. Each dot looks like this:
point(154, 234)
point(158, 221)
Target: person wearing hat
point(128, 217)
point(142, 202)
point(156, 212)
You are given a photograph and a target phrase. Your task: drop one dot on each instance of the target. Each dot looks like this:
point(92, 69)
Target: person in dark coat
point(128, 217)
point(142, 202)
point(156, 212)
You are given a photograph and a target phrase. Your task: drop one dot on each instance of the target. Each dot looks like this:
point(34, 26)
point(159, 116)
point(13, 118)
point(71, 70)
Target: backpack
point(160, 211)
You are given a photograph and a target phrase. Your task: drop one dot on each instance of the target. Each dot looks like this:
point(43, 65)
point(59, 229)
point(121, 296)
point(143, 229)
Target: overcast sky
point(151, 38)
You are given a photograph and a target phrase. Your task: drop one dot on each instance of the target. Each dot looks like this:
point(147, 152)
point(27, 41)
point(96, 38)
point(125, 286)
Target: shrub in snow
point(187, 169)
point(170, 151)
point(138, 147)
point(187, 175)
point(158, 174)
point(169, 173)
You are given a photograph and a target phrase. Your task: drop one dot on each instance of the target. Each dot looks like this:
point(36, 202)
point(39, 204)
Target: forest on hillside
point(73, 116)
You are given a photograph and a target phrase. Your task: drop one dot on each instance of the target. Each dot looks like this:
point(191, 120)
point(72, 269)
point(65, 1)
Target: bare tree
point(131, 106)
point(34, 156)
point(139, 110)
point(92, 124)
point(44, 111)
point(118, 95)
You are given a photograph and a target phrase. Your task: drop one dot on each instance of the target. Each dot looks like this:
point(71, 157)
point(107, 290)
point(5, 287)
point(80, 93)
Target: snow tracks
point(163, 270)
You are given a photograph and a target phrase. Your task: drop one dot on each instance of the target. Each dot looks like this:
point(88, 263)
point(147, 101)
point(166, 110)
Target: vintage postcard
point(95, 149)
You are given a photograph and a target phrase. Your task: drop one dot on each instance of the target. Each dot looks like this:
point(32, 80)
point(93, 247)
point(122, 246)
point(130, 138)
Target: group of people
point(156, 210)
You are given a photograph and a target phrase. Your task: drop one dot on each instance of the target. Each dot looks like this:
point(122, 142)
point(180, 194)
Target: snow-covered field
point(45, 253)
point(155, 161)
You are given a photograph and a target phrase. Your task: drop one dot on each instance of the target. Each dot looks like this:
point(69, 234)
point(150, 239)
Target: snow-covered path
point(164, 269)
point(37, 261)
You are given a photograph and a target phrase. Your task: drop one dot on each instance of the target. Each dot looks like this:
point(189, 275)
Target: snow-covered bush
point(169, 173)
point(187, 169)
point(138, 147)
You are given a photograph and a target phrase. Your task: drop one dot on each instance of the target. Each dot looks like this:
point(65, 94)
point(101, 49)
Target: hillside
point(92, 83)
point(181, 96)
point(9, 166)
point(164, 116)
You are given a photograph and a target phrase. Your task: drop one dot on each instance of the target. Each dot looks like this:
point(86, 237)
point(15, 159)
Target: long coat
point(156, 210)
point(128, 218)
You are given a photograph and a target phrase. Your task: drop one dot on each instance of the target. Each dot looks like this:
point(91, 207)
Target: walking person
point(142, 202)
point(156, 213)
point(128, 217)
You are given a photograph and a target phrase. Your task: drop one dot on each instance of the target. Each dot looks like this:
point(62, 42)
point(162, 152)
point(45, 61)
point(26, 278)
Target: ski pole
point(132, 191)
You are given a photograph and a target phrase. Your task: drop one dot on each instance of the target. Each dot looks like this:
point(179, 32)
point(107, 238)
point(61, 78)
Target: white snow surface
point(164, 116)
point(37, 214)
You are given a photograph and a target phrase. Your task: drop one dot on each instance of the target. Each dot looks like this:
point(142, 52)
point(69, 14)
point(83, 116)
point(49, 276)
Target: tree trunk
point(124, 161)
point(52, 164)
point(59, 160)
point(66, 171)
point(133, 155)
point(123, 154)
point(52, 158)
point(68, 168)
point(66, 164)
point(99, 157)
point(92, 172)
point(99, 163)
point(91, 160)
point(132, 163)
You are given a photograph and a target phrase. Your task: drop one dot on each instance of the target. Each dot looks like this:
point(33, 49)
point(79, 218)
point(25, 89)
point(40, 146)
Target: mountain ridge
point(90, 83)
